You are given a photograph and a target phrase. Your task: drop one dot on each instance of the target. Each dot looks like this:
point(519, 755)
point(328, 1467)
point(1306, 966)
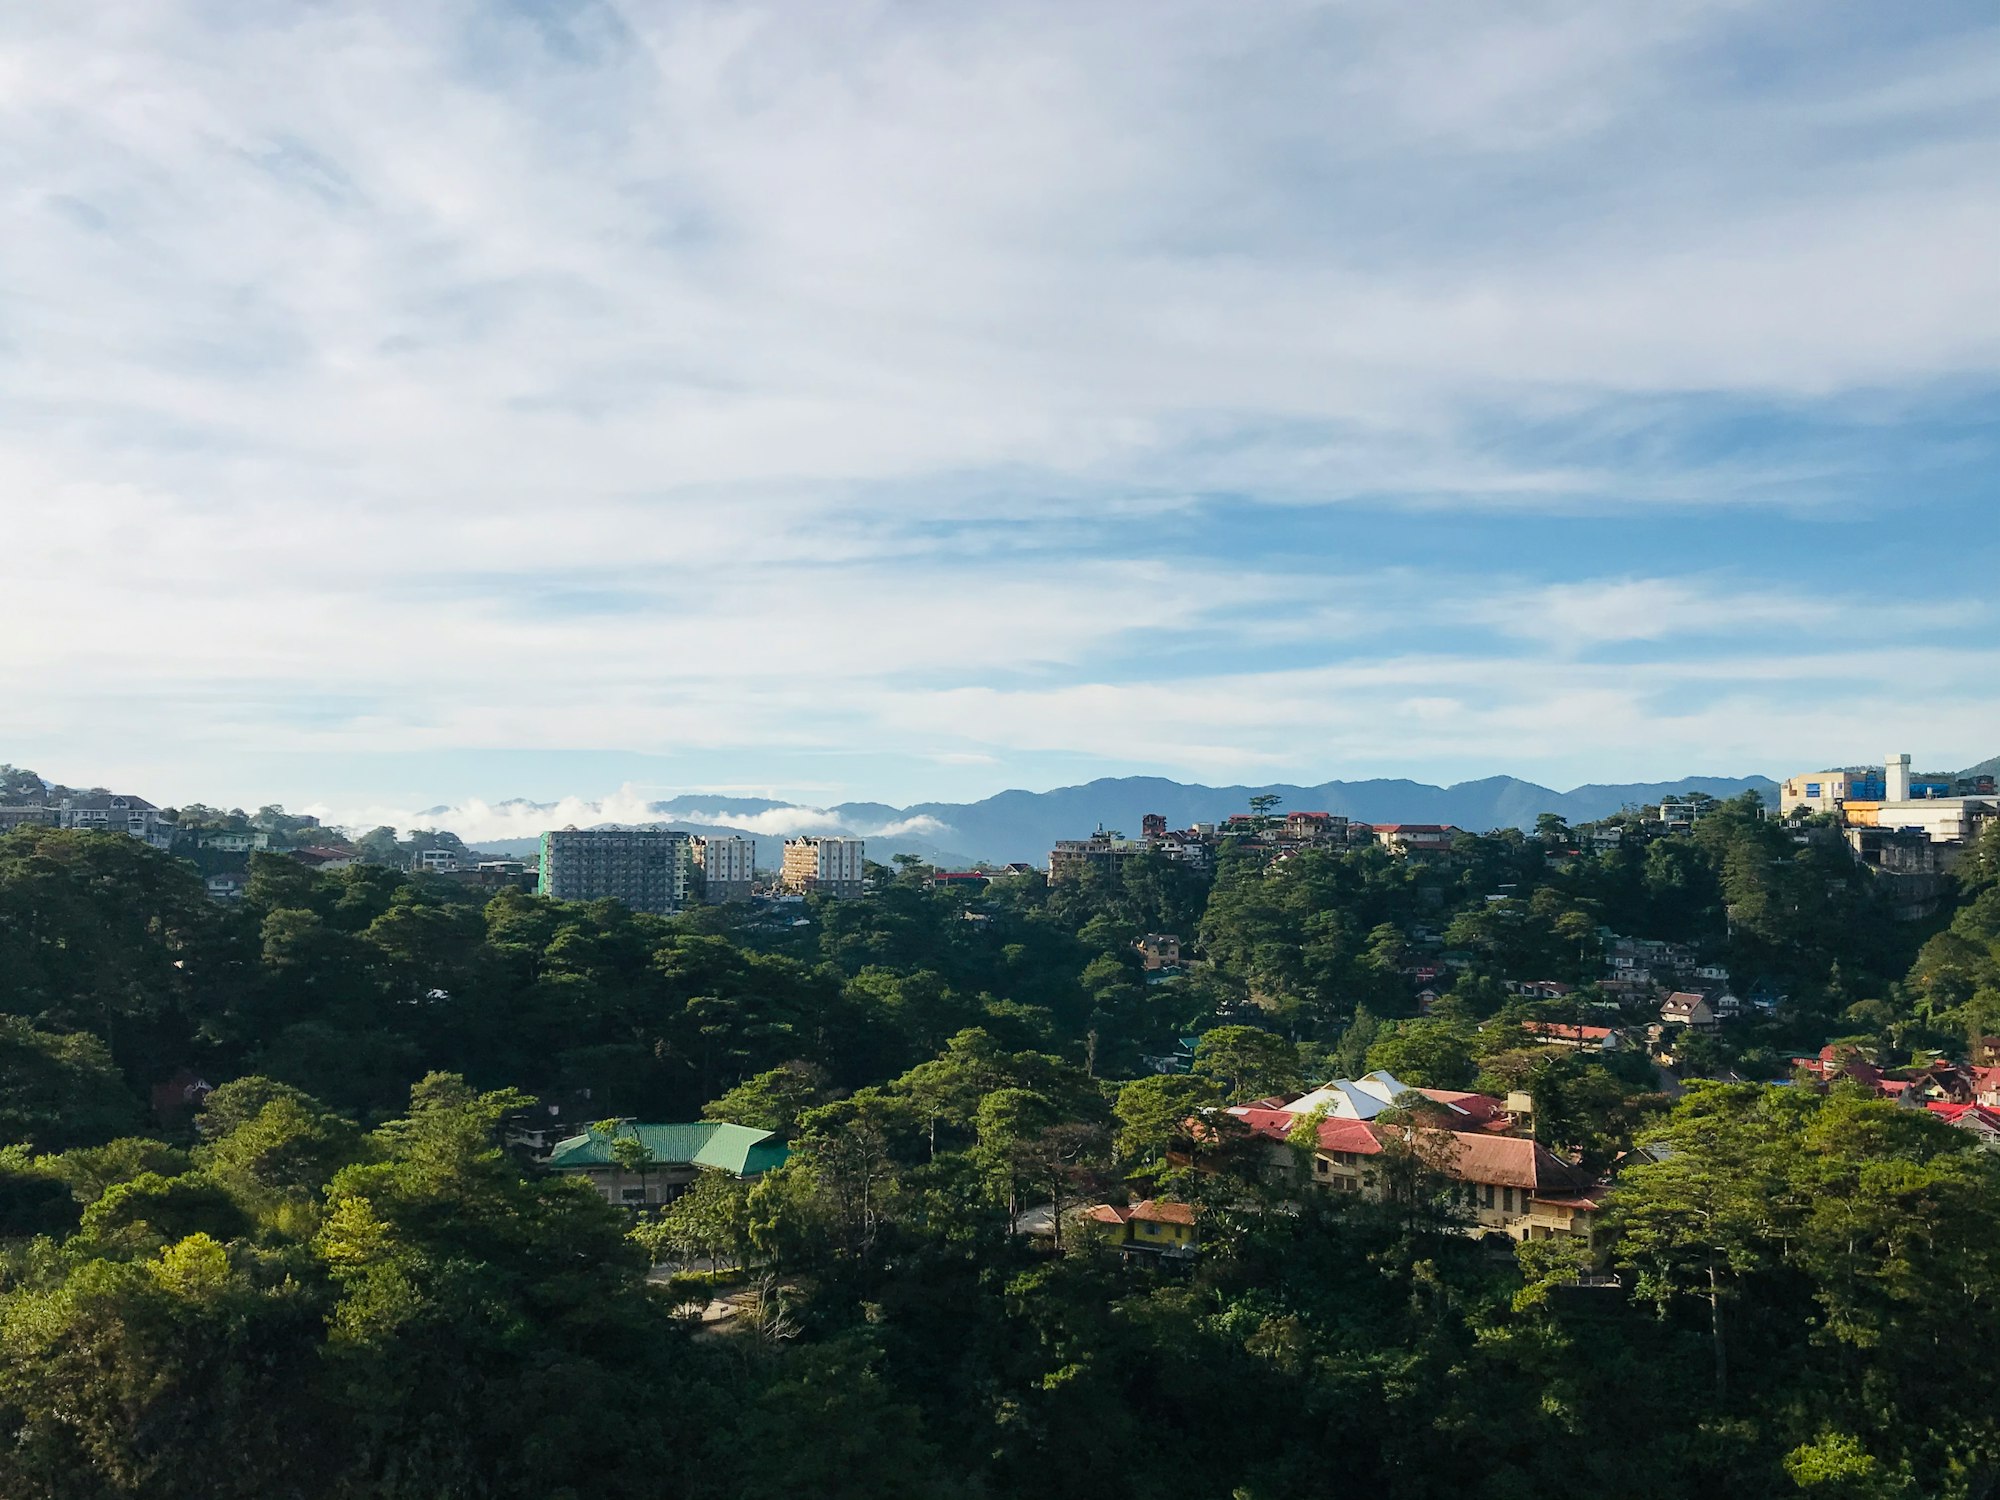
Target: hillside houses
point(1366, 1131)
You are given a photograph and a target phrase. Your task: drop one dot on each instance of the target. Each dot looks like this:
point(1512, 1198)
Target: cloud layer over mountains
point(1020, 825)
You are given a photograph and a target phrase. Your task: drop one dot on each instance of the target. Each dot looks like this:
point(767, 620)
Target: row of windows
point(1485, 1195)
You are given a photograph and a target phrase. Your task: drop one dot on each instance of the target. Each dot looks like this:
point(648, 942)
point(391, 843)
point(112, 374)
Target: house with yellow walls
point(1164, 1228)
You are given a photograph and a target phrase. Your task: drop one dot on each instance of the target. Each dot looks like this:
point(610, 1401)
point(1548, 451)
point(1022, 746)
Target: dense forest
point(335, 1279)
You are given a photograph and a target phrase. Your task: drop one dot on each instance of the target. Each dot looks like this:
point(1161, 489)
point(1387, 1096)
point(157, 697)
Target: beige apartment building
point(818, 862)
point(728, 865)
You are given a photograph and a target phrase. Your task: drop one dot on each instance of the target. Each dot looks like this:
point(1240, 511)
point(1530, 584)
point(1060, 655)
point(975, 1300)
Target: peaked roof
point(1970, 1116)
point(106, 802)
point(736, 1149)
point(1510, 1161)
point(1360, 1098)
point(1476, 1109)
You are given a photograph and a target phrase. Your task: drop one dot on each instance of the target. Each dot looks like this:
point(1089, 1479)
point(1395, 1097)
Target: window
point(632, 1195)
point(1489, 1195)
point(1507, 1195)
point(1812, 788)
point(1324, 1166)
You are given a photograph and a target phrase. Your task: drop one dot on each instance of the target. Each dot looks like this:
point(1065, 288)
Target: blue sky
point(411, 405)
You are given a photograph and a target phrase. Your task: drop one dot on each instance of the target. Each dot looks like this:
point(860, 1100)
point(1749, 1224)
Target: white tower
point(1898, 788)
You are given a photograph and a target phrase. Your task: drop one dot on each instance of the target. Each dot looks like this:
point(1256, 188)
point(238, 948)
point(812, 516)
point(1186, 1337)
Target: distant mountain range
point(1023, 825)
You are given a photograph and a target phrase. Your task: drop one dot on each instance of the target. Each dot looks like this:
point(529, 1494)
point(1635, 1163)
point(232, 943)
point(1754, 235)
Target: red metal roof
point(1475, 1109)
point(1334, 1135)
point(1955, 1114)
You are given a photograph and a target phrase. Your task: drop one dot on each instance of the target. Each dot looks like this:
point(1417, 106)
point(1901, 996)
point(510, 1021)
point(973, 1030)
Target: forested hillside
point(333, 1280)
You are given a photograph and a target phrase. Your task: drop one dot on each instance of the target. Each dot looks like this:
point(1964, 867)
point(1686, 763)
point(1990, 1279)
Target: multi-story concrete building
point(107, 812)
point(232, 840)
point(1309, 827)
point(1827, 791)
point(437, 861)
point(728, 865)
point(1410, 838)
point(648, 869)
point(1942, 820)
point(26, 815)
point(1498, 1184)
point(820, 862)
point(497, 875)
point(1680, 814)
point(1101, 851)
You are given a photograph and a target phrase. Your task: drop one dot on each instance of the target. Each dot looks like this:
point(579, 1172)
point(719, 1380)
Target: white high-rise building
point(728, 864)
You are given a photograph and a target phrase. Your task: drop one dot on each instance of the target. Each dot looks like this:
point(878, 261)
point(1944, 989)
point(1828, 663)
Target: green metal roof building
point(676, 1152)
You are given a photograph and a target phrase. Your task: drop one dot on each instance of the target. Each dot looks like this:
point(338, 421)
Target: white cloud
point(477, 820)
point(715, 375)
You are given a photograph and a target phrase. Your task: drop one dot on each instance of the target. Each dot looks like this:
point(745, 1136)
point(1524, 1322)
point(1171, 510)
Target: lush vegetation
point(334, 1281)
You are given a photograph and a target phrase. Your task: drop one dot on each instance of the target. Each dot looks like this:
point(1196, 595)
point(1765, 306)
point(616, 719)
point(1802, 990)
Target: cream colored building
point(1828, 791)
point(728, 865)
point(1942, 820)
point(819, 862)
point(1499, 1184)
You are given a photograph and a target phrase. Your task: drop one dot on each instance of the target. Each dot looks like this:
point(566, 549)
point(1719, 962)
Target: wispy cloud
point(1006, 381)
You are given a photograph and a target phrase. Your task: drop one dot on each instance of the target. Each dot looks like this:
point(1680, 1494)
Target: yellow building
point(1168, 1228)
point(828, 865)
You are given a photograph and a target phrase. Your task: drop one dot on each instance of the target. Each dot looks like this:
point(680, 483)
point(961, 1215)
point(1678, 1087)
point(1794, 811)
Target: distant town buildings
point(1908, 829)
point(830, 865)
point(648, 869)
point(728, 865)
point(1196, 845)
